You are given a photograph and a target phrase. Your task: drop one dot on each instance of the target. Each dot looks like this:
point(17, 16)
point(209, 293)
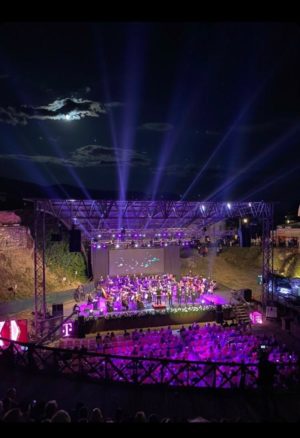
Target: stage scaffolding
point(94, 217)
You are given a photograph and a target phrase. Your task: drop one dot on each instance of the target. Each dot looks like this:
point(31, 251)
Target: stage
point(204, 310)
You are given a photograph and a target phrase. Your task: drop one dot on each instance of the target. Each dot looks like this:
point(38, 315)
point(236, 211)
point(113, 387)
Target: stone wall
point(15, 237)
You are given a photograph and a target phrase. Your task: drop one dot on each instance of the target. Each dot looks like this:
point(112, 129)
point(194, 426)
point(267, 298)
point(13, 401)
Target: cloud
point(86, 156)
point(60, 109)
point(159, 127)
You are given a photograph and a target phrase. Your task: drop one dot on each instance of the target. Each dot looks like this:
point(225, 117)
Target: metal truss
point(96, 216)
point(39, 269)
point(267, 257)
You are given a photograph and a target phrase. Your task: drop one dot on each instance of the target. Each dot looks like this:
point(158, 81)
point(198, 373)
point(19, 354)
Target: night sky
point(206, 111)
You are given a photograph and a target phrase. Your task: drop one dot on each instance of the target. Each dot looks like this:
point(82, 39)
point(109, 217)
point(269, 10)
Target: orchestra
point(135, 292)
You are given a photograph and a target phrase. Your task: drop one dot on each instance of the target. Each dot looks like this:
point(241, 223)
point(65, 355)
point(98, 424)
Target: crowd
point(13, 410)
point(210, 343)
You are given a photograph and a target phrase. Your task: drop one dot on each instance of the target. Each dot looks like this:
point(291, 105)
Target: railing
point(140, 370)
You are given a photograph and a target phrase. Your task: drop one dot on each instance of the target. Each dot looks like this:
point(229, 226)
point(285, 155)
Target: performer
point(125, 301)
point(179, 295)
point(109, 305)
point(139, 302)
point(193, 295)
point(158, 294)
point(149, 296)
point(170, 297)
point(186, 295)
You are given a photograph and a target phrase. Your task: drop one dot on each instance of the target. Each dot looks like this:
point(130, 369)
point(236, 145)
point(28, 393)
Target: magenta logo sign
point(67, 329)
point(256, 318)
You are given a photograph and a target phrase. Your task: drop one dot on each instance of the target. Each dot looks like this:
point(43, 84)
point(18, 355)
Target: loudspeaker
point(56, 237)
point(57, 309)
point(219, 317)
point(219, 314)
point(247, 294)
point(80, 327)
point(75, 241)
point(245, 237)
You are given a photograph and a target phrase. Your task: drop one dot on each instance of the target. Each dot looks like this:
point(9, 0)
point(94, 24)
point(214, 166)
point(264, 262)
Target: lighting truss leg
point(267, 255)
point(39, 270)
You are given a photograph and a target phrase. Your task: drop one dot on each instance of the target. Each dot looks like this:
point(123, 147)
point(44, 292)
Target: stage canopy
point(100, 218)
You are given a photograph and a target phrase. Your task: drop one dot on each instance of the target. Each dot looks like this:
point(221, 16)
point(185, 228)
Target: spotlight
point(228, 205)
point(117, 246)
point(136, 245)
point(245, 220)
point(99, 235)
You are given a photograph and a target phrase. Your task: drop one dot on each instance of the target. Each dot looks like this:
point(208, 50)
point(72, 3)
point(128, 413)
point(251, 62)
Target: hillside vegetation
point(238, 268)
point(64, 270)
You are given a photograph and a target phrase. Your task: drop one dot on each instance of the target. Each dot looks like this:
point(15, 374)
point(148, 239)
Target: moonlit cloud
point(60, 109)
point(86, 156)
point(159, 127)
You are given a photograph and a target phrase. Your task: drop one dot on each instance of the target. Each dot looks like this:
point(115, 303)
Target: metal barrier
point(140, 370)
